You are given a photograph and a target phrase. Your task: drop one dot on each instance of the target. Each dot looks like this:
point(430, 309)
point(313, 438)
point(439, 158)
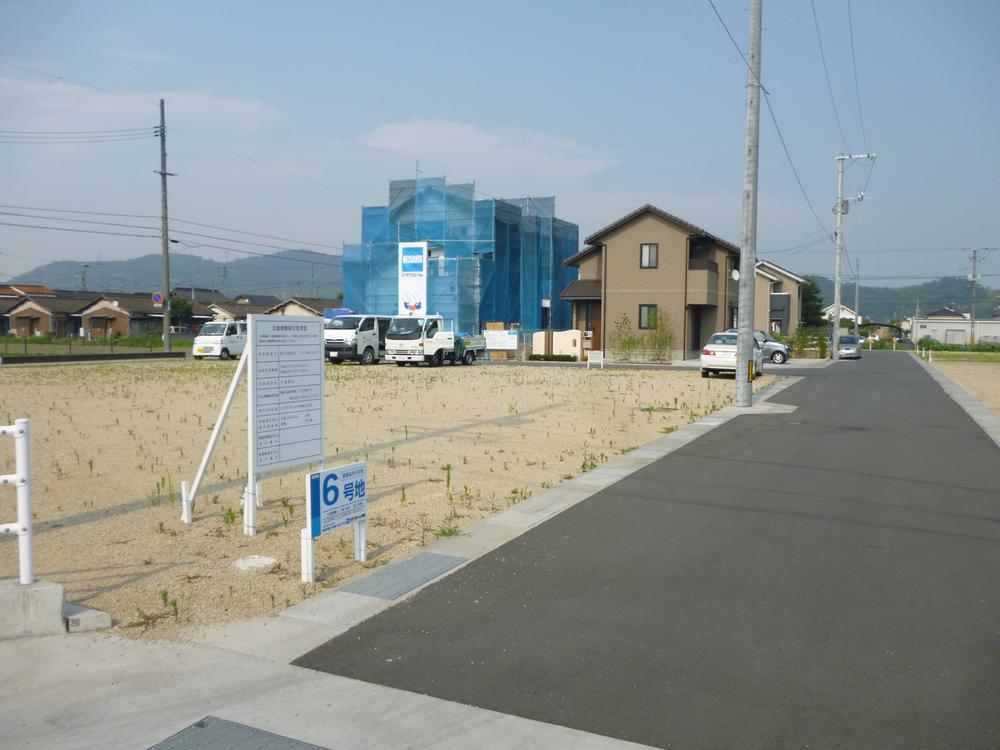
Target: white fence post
point(21, 479)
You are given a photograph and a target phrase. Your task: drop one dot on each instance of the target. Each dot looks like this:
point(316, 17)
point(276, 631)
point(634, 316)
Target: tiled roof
point(649, 208)
point(582, 289)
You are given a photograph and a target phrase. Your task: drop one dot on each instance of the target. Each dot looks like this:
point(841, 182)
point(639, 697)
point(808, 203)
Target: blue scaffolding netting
point(491, 260)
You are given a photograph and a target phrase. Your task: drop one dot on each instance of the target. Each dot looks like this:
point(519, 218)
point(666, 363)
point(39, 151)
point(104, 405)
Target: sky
point(284, 119)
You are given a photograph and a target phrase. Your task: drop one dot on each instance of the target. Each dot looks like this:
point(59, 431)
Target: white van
point(220, 338)
point(355, 337)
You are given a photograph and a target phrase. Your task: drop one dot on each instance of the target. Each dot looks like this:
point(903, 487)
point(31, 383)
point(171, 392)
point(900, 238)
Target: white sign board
point(501, 339)
point(337, 497)
point(286, 424)
point(412, 278)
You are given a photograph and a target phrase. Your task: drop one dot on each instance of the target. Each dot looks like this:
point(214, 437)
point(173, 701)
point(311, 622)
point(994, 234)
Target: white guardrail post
point(21, 479)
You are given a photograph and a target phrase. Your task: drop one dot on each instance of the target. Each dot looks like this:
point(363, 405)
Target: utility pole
point(840, 210)
point(748, 229)
point(83, 276)
point(974, 277)
point(857, 284)
point(164, 232)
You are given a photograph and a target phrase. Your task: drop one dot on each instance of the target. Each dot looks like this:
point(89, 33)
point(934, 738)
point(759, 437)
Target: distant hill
point(289, 273)
point(882, 303)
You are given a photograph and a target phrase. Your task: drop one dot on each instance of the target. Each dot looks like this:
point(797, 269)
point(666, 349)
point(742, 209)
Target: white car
point(220, 338)
point(719, 355)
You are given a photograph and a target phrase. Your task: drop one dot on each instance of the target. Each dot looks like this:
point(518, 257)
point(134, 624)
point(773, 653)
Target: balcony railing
point(702, 264)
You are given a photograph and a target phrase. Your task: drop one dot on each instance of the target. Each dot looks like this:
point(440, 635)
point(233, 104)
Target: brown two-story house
point(650, 263)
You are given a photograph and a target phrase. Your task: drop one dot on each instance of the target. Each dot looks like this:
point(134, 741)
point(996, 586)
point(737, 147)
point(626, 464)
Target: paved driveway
point(824, 578)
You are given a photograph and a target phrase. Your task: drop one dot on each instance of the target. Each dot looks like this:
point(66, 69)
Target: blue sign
point(412, 260)
point(337, 497)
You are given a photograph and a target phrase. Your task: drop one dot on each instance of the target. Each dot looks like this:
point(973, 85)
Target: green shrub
point(552, 358)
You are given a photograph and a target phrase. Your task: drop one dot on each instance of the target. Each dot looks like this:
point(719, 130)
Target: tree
point(180, 311)
point(812, 304)
point(623, 338)
point(660, 340)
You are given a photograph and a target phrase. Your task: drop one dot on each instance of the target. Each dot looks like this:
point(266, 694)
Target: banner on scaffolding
point(412, 278)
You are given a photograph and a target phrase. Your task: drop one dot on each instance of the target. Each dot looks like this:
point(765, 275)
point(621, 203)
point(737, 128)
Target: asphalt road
point(828, 578)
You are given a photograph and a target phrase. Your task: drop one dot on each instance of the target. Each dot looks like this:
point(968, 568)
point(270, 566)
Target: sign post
point(285, 397)
point(335, 498)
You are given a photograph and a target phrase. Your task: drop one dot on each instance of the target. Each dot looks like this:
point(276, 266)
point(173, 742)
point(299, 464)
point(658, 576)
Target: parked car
point(220, 338)
point(719, 355)
point(849, 347)
point(774, 350)
point(355, 337)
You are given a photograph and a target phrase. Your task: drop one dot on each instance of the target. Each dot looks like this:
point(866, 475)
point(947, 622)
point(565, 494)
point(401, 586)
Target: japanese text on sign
point(286, 387)
point(337, 497)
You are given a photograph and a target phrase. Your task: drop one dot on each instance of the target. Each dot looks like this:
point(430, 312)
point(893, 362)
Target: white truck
point(415, 339)
point(220, 338)
point(355, 337)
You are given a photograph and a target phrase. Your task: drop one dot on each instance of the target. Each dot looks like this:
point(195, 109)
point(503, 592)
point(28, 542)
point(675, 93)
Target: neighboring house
point(130, 315)
point(23, 290)
point(846, 313)
point(264, 300)
point(238, 311)
point(651, 263)
point(784, 304)
point(304, 306)
point(949, 326)
point(59, 316)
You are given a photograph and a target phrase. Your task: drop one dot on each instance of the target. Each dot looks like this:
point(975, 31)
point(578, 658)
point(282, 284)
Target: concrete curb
point(300, 628)
point(976, 409)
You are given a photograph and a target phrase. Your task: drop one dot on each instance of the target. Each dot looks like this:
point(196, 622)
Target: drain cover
point(213, 733)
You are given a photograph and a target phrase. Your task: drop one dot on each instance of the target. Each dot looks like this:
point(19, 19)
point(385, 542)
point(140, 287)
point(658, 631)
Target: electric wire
point(60, 133)
point(829, 86)
point(774, 120)
point(857, 88)
point(82, 231)
point(192, 136)
point(172, 220)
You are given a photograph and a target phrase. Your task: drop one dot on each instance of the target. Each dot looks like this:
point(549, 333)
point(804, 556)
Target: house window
point(647, 316)
point(648, 255)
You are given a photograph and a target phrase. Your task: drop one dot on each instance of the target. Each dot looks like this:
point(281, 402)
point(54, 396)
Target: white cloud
point(508, 160)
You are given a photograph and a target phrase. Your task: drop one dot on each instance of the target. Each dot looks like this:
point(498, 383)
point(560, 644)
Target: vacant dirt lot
point(981, 379)
point(110, 444)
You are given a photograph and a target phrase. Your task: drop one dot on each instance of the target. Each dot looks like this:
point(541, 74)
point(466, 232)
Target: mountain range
point(882, 303)
point(289, 273)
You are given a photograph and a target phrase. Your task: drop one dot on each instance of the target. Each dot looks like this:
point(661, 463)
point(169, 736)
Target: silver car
point(849, 347)
point(773, 349)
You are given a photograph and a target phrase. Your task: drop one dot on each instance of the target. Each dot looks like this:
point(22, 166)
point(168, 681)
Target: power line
point(61, 133)
point(774, 120)
point(73, 229)
point(857, 89)
point(185, 133)
point(826, 71)
point(83, 231)
point(262, 255)
point(172, 220)
point(77, 221)
point(54, 141)
point(71, 211)
point(797, 248)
